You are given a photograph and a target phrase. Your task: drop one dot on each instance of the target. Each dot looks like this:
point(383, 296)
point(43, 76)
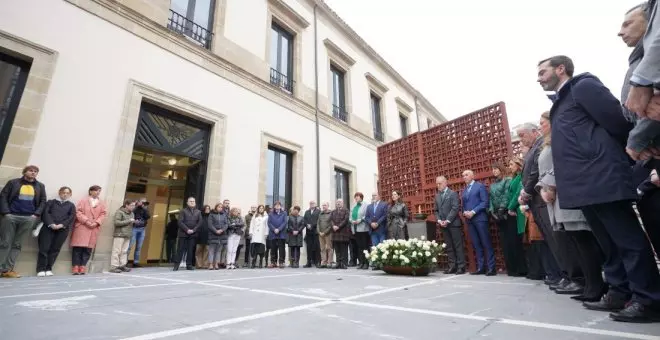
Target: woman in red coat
point(90, 214)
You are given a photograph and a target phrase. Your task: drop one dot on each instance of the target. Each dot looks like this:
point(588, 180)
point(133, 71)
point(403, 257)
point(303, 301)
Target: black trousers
point(630, 269)
point(549, 254)
point(363, 241)
point(534, 259)
point(50, 243)
point(248, 252)
point(294, 254)
point(512, 247)
point(185, 245)
point(353, 248)
point(649, 211)
point(80, 256)
point(238, 252)
point(568, 257)
point(277, 248)
point(257, 249)
point(341, 252)
point(313, 249)
point(590, 258)
point(453, 237)
point(170, 247)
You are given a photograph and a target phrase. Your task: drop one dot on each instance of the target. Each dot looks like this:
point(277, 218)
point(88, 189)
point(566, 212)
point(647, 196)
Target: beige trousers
point(326, 248)
point(119, 256)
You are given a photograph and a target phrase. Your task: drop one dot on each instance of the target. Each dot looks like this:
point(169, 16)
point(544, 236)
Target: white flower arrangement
point(415, 253)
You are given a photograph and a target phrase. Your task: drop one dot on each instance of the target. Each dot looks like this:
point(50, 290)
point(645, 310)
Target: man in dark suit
point(446, 212)
point(310, 219)
point(376, 217)
point(475, 202)
point(584, 109)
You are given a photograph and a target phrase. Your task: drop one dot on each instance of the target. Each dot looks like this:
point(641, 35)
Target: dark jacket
point(446, 208)
point(9, 198)
point(248, 221)
point(277, 221)
point(377, 212)
point(589, 134)
point(476, 200)
point(236, 225)
point(203, 232)
point(59, 212)
point(295, 223)
point(142, 217)
point(312, 219)
point(339, 218)
point(189, 219)
point(217, 221)
point(172, 229)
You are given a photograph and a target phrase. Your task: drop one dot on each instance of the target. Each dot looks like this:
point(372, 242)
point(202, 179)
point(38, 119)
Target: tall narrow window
point(429, 123)
point(279, 177)
point(375, 118)
point(281, 58)
point(194, 19)
point(403, 121)
point(338, 94)
point(342, 189)
point(13, 76)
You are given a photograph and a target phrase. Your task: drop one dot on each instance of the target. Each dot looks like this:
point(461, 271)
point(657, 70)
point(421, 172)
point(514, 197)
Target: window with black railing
point(193, 19)
point(281, 80)
point(339, 113)
point(376, 118)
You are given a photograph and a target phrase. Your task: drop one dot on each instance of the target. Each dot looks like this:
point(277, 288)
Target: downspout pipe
point(316, 108)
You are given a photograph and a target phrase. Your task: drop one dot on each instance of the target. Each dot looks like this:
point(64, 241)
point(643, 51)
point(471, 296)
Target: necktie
point(469, 188)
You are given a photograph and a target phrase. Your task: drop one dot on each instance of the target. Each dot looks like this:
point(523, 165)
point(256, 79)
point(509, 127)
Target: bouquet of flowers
point(414, 253)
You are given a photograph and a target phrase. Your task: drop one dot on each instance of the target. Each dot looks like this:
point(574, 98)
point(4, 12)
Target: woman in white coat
point(258, 233)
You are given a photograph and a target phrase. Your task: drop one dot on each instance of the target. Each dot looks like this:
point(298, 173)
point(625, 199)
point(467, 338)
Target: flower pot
point(409, 271)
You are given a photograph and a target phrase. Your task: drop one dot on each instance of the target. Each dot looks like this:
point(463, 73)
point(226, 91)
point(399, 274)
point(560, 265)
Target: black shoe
point(309, 265)
point(451, 271)
point(479, 272)
point(551, 282)
point(125, 269)
point(571, 289)
point(491, 272)
point(136, 265)
point(176, 267)
point(460, 271)
point(583, 298)
point(607, 304)
point(635, 312)
point(560, 285)
point(190, 268)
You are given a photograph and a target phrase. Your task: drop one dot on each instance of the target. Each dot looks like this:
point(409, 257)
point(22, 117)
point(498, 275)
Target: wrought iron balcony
point(180, 24)
point(379, 135)
point(281, 80)
point(339, 113)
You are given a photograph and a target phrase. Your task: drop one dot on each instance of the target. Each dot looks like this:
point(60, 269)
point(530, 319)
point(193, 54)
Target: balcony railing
point(180, 24)
point(379, 136)
point(281, 80)
point(339, 113)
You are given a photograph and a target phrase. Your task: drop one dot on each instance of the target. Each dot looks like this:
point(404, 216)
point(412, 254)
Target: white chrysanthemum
point(444, 245)
point(414, 254)
point(423, 237)
point(434, 260)
point(405, 260)
point(426, 247)
point(395, 257)
point(428, 253)
point(433, 242)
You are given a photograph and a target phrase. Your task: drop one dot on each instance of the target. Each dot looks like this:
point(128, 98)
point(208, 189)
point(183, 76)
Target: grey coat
point(446, 208)
point(295, 223)
point(362, 226)
point(218, 222)
point(561, 219)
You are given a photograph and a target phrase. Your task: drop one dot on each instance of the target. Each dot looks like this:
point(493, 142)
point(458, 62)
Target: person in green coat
point(497, 209)
point(513, 241)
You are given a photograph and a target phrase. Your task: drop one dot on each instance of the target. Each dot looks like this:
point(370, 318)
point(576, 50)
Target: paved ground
point(275, 304)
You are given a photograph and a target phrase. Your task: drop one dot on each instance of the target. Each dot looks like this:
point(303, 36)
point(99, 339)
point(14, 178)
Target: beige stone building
point(251, 100)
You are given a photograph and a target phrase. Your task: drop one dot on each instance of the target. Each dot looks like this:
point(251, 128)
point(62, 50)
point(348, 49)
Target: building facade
point(235, 99)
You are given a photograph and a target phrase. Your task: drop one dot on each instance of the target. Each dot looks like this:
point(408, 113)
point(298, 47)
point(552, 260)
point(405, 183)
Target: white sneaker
point(41, 274)
point(49, 273)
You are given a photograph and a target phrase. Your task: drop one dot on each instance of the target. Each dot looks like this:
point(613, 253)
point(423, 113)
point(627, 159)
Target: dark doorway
point(13, 76)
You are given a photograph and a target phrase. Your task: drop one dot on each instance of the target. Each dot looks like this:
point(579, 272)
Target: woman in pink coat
point(90, 214)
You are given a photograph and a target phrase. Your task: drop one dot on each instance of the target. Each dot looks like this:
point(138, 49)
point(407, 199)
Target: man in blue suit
point(475, 202)
point(376, 217)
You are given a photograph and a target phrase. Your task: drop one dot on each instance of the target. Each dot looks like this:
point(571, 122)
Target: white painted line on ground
point(444, 295)
point(253, 278)
point(496, 282)
point(216, 324)
point(56, 304)
point(308, 297)
point(388, 290)
point(532, 324)
point(91, 290)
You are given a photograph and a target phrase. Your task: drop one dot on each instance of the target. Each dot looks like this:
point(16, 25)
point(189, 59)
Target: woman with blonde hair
point(234, 233)
point(583, 258)
point(513, 229)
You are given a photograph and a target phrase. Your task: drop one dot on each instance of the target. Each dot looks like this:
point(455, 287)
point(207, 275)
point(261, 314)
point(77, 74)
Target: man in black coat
point(22, 201)
point(312, 243)
point(190, 221)
point(593, 173)
point(446, 213)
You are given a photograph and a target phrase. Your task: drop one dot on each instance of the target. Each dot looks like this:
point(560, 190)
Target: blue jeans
point(377, 238)
point(137, 239)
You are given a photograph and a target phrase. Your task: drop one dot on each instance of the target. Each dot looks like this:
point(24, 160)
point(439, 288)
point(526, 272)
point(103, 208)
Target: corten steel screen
point(474, 141)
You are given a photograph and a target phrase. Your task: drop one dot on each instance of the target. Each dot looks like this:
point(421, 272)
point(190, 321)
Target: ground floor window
point(342, 189)
point(279, 176)
point(13, 76)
